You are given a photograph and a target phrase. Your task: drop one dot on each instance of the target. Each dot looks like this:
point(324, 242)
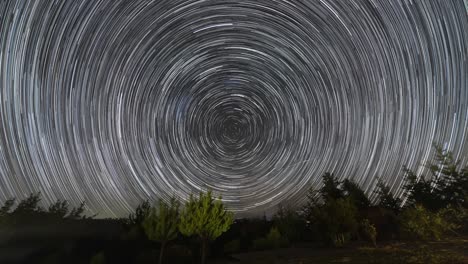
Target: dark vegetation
point(339, 223)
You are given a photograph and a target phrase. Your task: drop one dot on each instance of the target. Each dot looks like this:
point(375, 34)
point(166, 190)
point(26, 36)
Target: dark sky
point(115, 102)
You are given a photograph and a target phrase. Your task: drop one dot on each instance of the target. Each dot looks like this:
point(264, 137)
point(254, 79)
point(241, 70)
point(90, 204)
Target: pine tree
point(357, 195)
point(446, 186)
point(386, 198)
point(161, 223)
point(206, 218)
point(330, 189)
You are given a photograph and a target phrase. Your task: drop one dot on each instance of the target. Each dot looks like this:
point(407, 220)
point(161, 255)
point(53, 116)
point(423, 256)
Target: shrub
point(273, 240)
point(419, 223)
point(274, 236)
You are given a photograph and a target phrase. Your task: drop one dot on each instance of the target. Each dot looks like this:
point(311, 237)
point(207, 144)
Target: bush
point(273, 240)
point(457, 218)
point(419, 223)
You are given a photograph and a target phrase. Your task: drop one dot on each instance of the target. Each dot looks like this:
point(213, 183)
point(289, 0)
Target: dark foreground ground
point(450, 251)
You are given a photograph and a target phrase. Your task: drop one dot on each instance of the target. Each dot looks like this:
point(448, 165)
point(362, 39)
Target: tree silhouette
point(386, 199)
point(330, 188)
point(446, 186)
point(140, 214)
point(133, 224)
point(332, 215)
point(206, 218)
point(356, 194)
point(289, 223)
point(6, 207)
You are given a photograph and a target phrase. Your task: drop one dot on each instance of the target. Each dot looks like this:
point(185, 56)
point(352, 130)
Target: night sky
point(115, 102)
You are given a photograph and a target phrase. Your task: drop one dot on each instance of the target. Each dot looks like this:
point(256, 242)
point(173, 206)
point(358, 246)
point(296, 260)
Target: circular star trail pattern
point(114, 102)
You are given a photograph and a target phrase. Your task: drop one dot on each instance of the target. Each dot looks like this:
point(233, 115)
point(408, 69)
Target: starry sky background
point(115, 102)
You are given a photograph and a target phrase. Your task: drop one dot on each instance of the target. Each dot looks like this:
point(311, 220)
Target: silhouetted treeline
point(434, 206)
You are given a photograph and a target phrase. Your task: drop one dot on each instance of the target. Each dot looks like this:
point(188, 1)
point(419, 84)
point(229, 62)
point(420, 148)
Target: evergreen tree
point(206, 218)
point(58, 210)
point(133, 224)
point(5, 211)
point(446, 186)
point(386, 199)
point(29, 205)
point(356, 194)
point(330, 189)
point(450, 179)
point(331, 213)
point(141, 212)
point(78, 212)
point(161, 223)
point(6, 208)
point(422, 191)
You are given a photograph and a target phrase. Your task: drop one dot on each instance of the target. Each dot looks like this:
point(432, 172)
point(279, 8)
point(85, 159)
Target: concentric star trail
point(115, 102)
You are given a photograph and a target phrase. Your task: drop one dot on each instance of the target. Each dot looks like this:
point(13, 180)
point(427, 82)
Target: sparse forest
point(429, 224)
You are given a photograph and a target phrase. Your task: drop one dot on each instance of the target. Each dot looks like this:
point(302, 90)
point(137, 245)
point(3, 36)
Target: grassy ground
point(451, 251)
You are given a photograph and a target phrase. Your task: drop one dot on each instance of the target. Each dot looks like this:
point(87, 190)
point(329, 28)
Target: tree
point(206, 218)
point(422, 191)
point(356, 194)
point(337, 220)
point(161, 224)
point(5, 211)
point(331, 213)
point(451, 180)
point(6, 208)
point(330, 188)
point(78, 212)
point(140, 214)
point(446, 186)
point(59, 209)
point(289, 223)
point(29, 205)
point(386, 199)
point(133, 224)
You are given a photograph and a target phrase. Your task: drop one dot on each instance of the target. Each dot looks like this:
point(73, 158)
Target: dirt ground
point(451, 251)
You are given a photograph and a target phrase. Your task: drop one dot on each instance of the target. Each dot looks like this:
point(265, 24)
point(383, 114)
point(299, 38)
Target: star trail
point(115, 102)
